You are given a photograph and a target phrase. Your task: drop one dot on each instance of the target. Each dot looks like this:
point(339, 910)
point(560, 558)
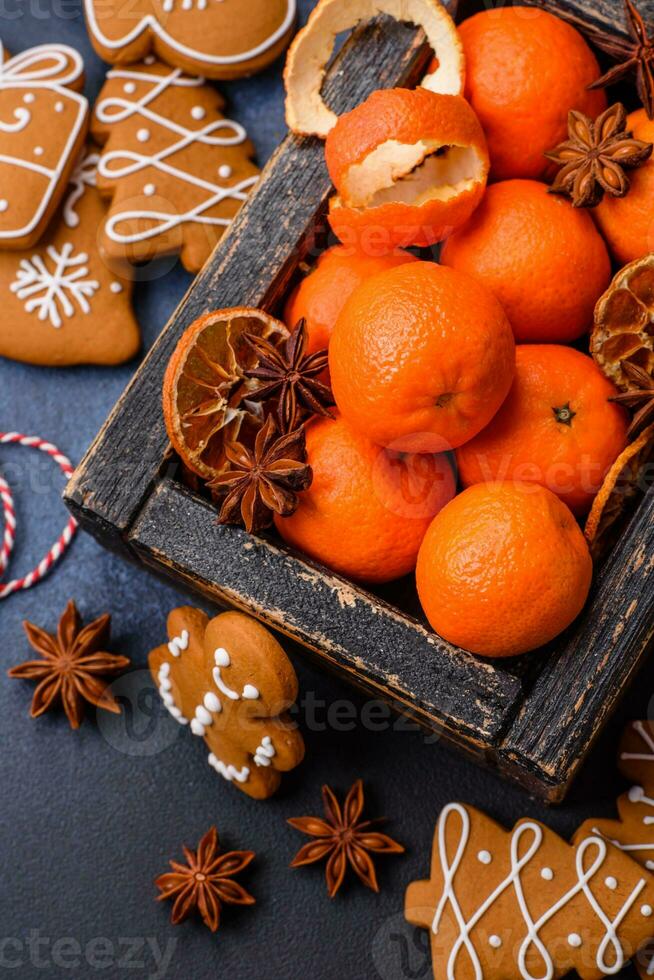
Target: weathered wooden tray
point(534, 718)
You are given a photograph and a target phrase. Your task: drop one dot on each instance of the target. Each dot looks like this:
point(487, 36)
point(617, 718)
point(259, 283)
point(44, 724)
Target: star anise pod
point(344, 839)
point(264, 480)
point(291, 377)
point(640, 398)
point(72, 665)
point(205, 882)
point(633, 54)
point(595, 156)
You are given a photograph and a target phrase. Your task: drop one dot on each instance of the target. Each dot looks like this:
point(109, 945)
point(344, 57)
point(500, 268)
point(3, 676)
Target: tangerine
point(542, 258)
point(421, 358)
point(367, 509)
point(503, 569)
point(556, 427)
point(525, 69)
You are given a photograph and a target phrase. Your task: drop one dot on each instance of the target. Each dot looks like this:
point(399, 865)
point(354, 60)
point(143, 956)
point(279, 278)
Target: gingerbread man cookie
point(229, 679)
point(175, 169)
point(43, 123)
point(525, 905)
point(61, 304)
point(219, 38)
point(633, 831)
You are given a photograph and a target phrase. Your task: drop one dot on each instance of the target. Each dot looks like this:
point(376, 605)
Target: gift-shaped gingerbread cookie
point(219, 38)
point(43, 122)
point(175, 170)
point(229, 679)
point(61, 303)
point(633, 831)
point(525, 905)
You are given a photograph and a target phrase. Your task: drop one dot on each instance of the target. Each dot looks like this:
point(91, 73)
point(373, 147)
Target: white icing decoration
point(163, 679)
point(520, 857)
point(224, 171)
point(264, 752)
point(646, 911)
point(59, 107)
point(179, 643)
point(149, 190)
point(29, 98)
point(574, 939)
point(122, 163)
point(547, 874)
point(83, 176)
point(149, 21)
point(116, 287)
point(4, 204)
point(198, 112)
point(129, 88)
point(51, 67)
point(494, 941)
point(222, 659)
point(38, 151)
point(484, 857)
point(57, 293)
point(143, 135)
point(611, 883)
point(230, 773)
point(149, 60)
point(647, 739)
point(212, 702)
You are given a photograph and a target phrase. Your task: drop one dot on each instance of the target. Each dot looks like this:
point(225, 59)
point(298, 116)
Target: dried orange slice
point(624, 323)
point(625, 481)
point(306, 111)
point(408, 166)
point(205, 391)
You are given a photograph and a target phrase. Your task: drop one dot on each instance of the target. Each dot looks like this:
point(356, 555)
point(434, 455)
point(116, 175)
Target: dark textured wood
point(589, 671)
point(605, 14)
point(251, 267)
point(386, 650)
point(536, 717)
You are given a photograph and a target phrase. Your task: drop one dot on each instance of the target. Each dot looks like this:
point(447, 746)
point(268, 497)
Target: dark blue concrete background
point(88, 819)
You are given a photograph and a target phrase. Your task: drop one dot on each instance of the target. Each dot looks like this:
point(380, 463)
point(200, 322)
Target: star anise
point(595, 156)
point(633, 54)
point(72, 665)
point(205, 882)
point(291, 377)
point(344, 839)
point(640, 398)
point(264, 480)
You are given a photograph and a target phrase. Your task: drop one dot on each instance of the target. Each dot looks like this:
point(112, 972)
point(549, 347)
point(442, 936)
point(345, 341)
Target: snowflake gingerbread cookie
point(525, 905)
point(230, 681)
point(43, 123)
point(217, 38)
point(61, 304)
point(176, 171)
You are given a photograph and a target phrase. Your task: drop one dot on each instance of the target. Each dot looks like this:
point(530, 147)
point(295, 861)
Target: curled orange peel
point(307, 114)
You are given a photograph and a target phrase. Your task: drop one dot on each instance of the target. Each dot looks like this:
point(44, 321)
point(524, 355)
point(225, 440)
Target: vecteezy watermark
point(400, 951)
point(144, 954)
point(144, 727)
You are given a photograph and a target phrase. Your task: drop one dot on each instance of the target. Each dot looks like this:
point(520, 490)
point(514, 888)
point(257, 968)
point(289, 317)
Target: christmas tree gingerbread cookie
point(633, 831)
point(230, 681)
point(175, 170)
point(61, 304)
point(43, 123)
point(216, 38)
point(525, 905)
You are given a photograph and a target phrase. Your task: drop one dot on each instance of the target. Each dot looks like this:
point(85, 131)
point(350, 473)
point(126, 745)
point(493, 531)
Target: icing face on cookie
point(232, 682)
point(177, 170)
point(42, 128)
point(537, 909)
point(210, 36)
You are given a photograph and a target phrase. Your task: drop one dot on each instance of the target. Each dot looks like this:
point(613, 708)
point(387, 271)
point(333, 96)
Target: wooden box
point(533, 718)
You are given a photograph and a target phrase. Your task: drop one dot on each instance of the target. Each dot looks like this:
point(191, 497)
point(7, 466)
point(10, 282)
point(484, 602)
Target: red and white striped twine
point(61, 544)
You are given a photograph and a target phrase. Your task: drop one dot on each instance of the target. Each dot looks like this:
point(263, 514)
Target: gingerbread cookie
point(61, 304)
point(43, 123)
point(175, 169)
point(525, 905)
point(219, 38)
point(229, 679)
point(633, 831)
